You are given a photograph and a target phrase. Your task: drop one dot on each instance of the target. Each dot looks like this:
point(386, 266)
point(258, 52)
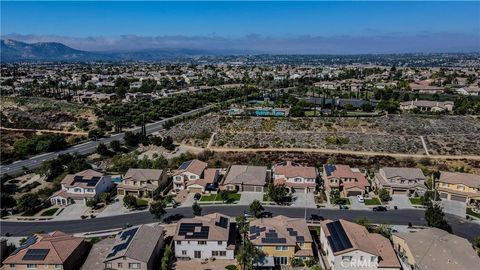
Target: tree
point(130, 201)
point(7, 200)
point(28, 202)
point(167, 143)
point(365, 222)
point(102, 150)
point(116, 146)
point(384, 229)
point(105, 197)
point(167, 258)
point(334, 196)
point(384, 195)
point(92, 203)
point(197, 210)
point(255, 208)
point(224, 195)
point(131, 139)
point(435, 217)
point(158, 209)
point(277, 193)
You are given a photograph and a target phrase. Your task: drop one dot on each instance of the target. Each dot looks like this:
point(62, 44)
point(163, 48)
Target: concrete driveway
point(355, 205)
point(303, 200)
point(188, 200)
point(401, 202)
point(73, 211)
point(454, 207)
point(248, 197)
point(114, 208)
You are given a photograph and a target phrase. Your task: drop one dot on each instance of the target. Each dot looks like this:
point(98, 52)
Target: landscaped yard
point(416, 200)
point(216, 197)
point(50, 212)
point(141, 203)
point(372, 201)
point(471, 213)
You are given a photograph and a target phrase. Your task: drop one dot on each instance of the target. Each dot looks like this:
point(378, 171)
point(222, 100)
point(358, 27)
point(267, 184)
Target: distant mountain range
point(15, 51)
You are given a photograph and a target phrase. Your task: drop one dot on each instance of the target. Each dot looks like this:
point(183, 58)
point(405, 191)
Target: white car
point(360, 199)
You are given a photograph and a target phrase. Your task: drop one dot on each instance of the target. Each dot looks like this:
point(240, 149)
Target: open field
point(443, 135)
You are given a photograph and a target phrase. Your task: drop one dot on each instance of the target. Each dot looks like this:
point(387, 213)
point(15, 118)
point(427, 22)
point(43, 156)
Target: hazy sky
point(304, 27)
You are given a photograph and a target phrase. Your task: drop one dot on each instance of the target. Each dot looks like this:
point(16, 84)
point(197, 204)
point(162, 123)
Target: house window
point(134, 266)
point(108, 265)
point(90, 190)
point(31, 266)
point(184, 252)
point(373, 259)
point(202, 243)
point(280, 260)
point(197, 254)
point(77, 190)
point(460, 187)
point(281, 248)
point(58, 266)
point(301, 244)
point(361, 258)
point(179, 242)
point(120, 265)
point(298, 179)
point(346, 258)
point(219, 253)
point(12, 266)
point(220, 243)
point(192, 177)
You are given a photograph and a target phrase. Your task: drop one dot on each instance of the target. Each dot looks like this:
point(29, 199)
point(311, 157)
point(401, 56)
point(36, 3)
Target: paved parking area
point(454, 207)
point(401, 202)
point(355, 205)
point(248, 197)
point(188, 200)
point(303, 200)
point(73, 211)
point(114, 208)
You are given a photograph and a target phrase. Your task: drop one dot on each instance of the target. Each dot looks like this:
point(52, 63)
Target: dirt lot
point(444, 135)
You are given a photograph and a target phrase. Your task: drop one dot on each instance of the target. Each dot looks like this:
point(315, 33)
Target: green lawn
point(141, 202)
point(416, 201)
point(216, 197)
point(372, 201)
point(50, 212)
point(471, 213)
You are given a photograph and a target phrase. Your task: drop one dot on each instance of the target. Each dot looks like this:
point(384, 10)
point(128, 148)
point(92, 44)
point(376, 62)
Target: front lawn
point(141, 203)
point(416, 201)
point(372, 201)
point(50, 212)
point(471, 213)
point(232, 197)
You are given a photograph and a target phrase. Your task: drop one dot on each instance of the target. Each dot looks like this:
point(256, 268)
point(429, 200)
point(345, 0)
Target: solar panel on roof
point(300, 238)
point(338, 238)
point(126, 237)
point(78, 178)
point(30, 241)
point(35, 254)
point(184, 165)
point(329, 168)
point(274, 240)
point(223, 222)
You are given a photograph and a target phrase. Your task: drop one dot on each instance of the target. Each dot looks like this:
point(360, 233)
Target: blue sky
point(111, 21)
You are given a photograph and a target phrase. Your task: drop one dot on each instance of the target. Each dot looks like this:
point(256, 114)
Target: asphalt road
point(84, 148)
point(461, 227)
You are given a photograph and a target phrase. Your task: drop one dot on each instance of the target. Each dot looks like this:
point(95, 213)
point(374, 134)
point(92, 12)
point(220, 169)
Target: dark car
point(315, 217)
point(265, 215)
point(344, 207)
point(172, 218)
point(380, 208)
point(197, 196)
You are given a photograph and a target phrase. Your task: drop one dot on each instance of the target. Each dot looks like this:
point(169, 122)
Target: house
point(188, 170)
point(97, 254)
point(136, 248)
point(281, 239)
point(404, 181)
point(295, 177)
point(142, 182)
point(209, 182)
point(245, 178)
point(455, 186)
point(55, 250)
point(205, 237)
point(348, 245)
point(82, 186)
point(427, 106)
point(349, 181)
point(468, 91)
point(437, 249)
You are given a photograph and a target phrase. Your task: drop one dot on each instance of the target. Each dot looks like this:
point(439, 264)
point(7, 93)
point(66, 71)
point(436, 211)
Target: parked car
point(360, 199)
point(315, 217)
point(265, 215)
point(172, 218)
point(344, 207)
point(197, 196)
point(380, 208)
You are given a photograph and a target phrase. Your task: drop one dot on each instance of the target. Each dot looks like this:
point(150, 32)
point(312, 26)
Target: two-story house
point(136, 248)
point(49, 251)
point(205, 237)
point(142, 182)
point(349, 181)
point(403, 181)
point(463, 187)
point(281, 239)
point(246, 178)
point(209, 182)
point(295, 177)
point(348, 245)
point(188, 171)
point(82, 186)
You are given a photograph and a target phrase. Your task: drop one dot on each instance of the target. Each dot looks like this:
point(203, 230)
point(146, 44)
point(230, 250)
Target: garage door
point(444, 195)
point(249, 188)
point(399, 192)
point(353, 193)
point(458, 198)
point(79, 201)
point(298, 190)
point(195, 190)
point(258, 189)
